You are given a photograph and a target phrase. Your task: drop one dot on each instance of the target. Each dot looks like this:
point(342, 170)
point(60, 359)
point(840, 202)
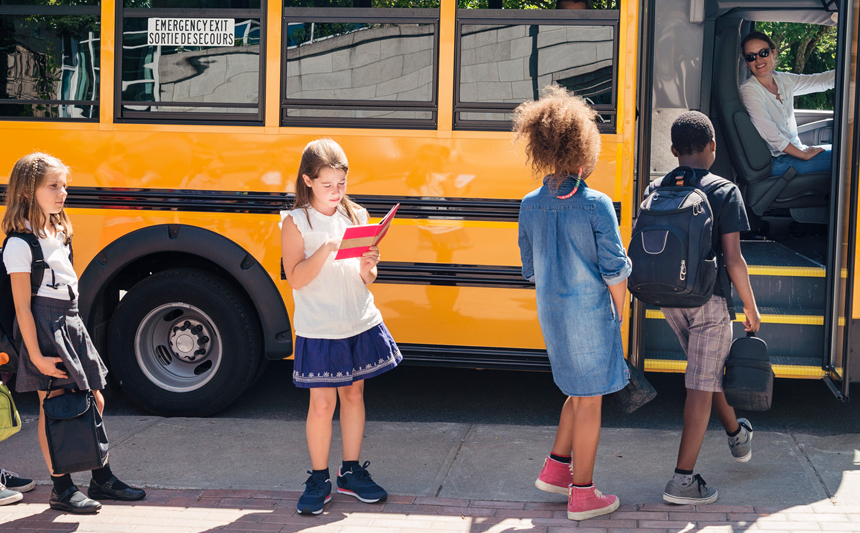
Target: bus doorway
point(801, 247)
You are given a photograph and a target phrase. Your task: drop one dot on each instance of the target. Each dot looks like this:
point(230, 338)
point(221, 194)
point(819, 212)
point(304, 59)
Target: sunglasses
point(764, 52)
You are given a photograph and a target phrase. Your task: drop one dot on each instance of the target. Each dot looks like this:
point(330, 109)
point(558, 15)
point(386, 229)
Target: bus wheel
point(184, 342)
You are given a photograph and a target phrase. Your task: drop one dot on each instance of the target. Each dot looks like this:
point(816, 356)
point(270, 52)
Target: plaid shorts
point(706, 337)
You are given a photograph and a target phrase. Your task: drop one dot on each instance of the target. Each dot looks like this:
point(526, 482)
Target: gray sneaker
point(8, 496)
point(741, 444)
point(695, 492)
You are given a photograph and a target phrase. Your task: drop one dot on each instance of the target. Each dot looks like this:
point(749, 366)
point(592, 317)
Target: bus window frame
point(383, 15)
point(55, 11)
point(203, 118)
point(522, 17)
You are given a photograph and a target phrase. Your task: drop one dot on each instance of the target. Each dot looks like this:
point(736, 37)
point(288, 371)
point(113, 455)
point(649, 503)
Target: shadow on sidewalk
point(197, 511)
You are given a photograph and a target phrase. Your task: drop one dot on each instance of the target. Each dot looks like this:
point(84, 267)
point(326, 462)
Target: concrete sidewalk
point(241, 474)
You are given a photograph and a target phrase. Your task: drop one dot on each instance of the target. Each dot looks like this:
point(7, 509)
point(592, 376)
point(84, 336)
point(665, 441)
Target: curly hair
point(692, 131)
point(560, 135)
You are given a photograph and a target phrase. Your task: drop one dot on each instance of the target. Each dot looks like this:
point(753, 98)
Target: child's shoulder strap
point(37, 265)
point(711, 182)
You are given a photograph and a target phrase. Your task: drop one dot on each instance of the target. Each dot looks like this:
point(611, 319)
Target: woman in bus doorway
point(340, 337)
point(571, 249)
point(769, 98)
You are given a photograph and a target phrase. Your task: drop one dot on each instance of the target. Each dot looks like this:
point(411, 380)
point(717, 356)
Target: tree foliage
point(804, 49)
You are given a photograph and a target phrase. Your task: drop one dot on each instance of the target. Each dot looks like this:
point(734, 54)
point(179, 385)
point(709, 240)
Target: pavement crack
point(812, 466)
point(451, 459)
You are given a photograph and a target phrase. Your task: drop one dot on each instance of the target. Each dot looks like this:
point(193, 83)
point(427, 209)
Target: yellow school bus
point(183, 122)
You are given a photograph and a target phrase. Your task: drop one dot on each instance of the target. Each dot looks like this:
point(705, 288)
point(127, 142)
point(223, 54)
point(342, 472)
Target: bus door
point(842, 315)
point(800, 249)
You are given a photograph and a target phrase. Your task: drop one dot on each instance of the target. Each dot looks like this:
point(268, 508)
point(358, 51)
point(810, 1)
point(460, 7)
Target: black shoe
point(73, 501)
point(107, 492)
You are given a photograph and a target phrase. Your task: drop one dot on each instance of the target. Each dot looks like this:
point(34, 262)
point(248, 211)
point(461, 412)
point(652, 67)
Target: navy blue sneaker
point(357, 482)
point(317, 493)
point(14, 482)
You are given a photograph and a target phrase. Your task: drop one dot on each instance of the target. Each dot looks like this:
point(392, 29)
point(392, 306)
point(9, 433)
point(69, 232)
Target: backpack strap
point(38, 264)
point(708, 184)
point(727, 287)
point(689, 174)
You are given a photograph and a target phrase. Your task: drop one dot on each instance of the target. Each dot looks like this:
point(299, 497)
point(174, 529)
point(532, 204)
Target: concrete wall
point(384, 62)
point(496, 62)
point(211, 75)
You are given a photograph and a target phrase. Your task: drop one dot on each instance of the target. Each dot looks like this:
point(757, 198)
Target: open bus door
point(689, 60)
point(841, 318)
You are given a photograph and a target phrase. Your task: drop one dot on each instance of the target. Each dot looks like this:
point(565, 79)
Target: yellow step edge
point(802, 272)
point(781, 371)
point(806, 320)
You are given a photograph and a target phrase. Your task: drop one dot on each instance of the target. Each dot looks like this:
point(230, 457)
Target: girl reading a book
point(340, 337)
point(571, 249)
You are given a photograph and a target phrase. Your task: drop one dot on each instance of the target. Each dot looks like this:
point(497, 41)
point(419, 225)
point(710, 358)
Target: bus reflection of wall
point(193, 74)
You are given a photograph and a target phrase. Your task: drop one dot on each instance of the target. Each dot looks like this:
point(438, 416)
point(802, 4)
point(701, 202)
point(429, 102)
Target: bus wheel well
point(139, 269)
point(130, 259)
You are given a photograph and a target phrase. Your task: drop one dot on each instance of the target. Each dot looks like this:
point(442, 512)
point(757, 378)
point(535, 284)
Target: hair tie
point(575, 187)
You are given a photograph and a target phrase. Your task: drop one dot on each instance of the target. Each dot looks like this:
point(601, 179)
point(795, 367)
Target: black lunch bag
point(77, 440)
point(748, 381)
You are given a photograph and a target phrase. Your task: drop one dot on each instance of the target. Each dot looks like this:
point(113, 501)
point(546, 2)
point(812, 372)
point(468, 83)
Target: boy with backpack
point(700, 318)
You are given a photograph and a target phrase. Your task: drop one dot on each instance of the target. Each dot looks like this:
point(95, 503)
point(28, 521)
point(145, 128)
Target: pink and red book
point(359, 239)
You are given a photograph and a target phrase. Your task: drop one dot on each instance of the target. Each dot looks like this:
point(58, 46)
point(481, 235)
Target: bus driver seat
point(750, 154)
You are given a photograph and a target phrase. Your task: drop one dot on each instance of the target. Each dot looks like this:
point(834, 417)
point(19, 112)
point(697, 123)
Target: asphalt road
point(423, 394)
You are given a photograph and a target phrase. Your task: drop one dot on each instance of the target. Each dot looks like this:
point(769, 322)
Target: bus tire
point(184, 342)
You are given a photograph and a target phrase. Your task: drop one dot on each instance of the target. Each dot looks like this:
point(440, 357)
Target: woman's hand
point(811, 151)
point(369, 259)
point(48, 366)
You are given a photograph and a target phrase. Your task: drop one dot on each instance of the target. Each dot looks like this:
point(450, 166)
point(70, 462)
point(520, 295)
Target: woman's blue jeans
point(819, 163)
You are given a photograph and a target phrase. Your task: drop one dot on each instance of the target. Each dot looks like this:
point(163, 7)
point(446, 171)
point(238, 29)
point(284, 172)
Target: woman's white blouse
point(773, 119)
point(336, 304)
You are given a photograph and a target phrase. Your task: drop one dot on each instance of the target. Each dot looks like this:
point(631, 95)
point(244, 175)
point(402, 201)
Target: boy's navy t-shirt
point(730, 216)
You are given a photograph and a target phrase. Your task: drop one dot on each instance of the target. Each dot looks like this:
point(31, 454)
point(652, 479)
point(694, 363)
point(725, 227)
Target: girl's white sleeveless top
point(336, 304)
point(18, 258)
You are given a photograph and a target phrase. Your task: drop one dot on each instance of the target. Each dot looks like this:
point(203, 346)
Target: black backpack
point(673, 263)
point(8, 343)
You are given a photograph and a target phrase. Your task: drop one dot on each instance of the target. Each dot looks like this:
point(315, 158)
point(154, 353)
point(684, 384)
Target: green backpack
point(10, 422)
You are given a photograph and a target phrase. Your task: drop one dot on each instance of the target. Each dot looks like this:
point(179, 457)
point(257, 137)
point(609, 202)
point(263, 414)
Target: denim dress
point(571, 249)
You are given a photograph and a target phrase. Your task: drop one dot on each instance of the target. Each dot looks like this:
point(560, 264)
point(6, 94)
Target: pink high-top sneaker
point(554, 477)
point(588, 502)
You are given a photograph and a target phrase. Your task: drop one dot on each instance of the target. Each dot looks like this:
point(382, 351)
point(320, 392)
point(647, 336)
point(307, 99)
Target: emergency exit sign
point(190, 32)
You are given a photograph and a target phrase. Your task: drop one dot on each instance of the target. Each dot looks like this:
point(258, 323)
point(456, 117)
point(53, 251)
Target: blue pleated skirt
point(342, 362)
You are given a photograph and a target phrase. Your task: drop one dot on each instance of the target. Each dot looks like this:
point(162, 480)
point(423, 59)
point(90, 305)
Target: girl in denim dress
point(571, 249)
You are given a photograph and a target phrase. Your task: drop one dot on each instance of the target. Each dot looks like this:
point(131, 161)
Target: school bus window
point(52, 60)
point(538, 4)
point(414, 4)
point(194, 4)
point(360, 67)
point(198, 65)
point(505, 57)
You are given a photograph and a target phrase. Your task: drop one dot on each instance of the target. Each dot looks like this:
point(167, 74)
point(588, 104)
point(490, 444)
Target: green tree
point(804, 49)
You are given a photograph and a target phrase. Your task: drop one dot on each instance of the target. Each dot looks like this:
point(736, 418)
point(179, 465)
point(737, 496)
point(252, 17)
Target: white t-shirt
point(336, 304)
point(18, 258)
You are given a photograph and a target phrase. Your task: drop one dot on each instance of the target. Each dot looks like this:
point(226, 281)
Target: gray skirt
point(62, 334)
